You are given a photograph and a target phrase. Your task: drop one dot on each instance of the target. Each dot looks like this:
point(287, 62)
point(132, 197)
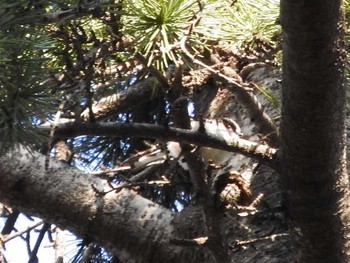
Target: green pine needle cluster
point(24, 96)
point(158, 26)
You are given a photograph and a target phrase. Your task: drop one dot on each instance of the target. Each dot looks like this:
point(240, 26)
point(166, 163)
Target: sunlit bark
point(123, 221)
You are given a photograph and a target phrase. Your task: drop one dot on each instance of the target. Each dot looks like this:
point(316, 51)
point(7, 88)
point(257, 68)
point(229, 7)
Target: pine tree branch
point(141, 92)
point(7, 238)
point(122, 221)
point(151, 131)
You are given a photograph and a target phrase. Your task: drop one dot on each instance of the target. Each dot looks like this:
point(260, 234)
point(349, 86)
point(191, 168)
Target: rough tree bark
point(134, 228)
point(312, 129)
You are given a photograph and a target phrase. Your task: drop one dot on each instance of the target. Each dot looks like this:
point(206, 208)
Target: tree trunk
point(312, 129)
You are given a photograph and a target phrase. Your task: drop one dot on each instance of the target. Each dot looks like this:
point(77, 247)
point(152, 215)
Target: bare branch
point(24, 184)
point(241, 146)
point(17, 234)
point(141, 92)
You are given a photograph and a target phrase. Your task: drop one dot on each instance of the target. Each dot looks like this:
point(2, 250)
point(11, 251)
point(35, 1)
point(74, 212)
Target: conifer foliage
point(107, 85)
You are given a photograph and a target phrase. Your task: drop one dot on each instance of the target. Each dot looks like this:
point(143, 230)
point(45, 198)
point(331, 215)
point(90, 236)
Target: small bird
point(224, 128)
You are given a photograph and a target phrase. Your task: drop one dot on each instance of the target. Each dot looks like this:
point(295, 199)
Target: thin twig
point(19, 233)
point(200, 241)
point(271, 238)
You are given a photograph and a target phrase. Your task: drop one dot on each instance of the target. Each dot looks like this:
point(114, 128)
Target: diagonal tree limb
point(20, 233)
point(122, 101)
point(123, 221)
